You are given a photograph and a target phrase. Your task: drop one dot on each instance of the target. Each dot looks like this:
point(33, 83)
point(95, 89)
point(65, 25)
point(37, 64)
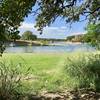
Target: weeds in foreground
point(11, 78)
point(84, 71)
point(75, 72)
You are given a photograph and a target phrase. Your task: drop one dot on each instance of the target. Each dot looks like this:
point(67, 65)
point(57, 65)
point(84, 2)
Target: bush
point(11, 86)
point(84, 71)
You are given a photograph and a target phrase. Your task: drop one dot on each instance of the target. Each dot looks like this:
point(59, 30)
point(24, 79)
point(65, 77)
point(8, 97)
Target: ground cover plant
point(55, 72)
point(43, 68)
point(84, 71)
point(11, 80)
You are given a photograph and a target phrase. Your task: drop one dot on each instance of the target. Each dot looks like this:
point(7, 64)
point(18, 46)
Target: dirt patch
point(67, 95)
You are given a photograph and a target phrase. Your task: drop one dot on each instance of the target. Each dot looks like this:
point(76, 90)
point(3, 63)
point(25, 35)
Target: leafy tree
point(28, 35)
point(12, 12)
point(48, 11)
point(69, 38)
point(70, 10)
point(93, 34)
point(14, 36)
point(75, 38)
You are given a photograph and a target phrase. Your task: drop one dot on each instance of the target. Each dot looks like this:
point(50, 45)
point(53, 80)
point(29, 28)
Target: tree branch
point(69, 5)
point(93, 11)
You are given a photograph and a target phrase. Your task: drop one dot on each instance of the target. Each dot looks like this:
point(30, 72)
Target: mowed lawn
point(44, 68)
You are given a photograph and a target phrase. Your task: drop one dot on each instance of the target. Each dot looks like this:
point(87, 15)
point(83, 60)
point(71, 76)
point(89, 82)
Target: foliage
point(12, 12)
point(53, 73)
point(69, 38)
point(47, 12)
point(61, 71)
point(11, 77)
point(2, 47)
point(93, 34)
point(45, 70)
point(28, 35)
point(14, 36)
point(84, 71)
point(44, 42)
point(75, 38)
point(10, 18)
point(70, 10)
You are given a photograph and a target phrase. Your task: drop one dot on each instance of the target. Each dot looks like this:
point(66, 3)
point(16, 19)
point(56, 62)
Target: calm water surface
point(58, 48)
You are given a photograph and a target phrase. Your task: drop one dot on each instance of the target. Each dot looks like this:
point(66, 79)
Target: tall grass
point(11, 81)
point(49, 73)
point(83, 71)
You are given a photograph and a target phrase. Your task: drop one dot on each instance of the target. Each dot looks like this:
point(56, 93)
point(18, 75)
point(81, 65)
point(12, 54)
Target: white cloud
point(26, 26)
point(48, 32)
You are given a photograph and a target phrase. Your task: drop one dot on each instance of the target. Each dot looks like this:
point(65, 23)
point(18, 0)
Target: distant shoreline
point(38, 43)
point(64, 43)
point(74, 42)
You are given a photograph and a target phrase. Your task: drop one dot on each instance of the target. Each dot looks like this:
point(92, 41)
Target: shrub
point(11, 86)
point(84, 71)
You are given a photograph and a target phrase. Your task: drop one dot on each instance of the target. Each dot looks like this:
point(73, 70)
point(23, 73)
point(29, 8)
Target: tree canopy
point(75, 38)
point(28, 35)
point(12, 12)
point(70, 10)
point(93, 34)
point(14, 36)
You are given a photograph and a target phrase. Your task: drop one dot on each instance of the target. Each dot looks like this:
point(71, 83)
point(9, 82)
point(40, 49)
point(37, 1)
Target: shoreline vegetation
point(75, 39)
point(38, 43)
point(53, 76)
point(67, 68)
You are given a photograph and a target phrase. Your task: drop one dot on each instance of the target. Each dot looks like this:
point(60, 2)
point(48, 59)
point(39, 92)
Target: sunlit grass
point(48, 70)
point(45, 69)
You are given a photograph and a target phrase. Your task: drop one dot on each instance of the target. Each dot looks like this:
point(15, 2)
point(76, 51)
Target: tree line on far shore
point(27, 35)
point(92, 35)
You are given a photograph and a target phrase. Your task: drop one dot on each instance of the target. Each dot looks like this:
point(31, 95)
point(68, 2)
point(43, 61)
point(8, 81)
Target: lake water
point(57, 48)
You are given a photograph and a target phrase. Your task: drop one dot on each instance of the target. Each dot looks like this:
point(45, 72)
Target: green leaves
point(93, 34)
point(28, 35)
point(84, 71)
point(12, 13)
point(70, 10)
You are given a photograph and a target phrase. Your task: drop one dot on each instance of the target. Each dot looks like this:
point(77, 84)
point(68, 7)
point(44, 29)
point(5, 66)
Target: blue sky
point(59, 29)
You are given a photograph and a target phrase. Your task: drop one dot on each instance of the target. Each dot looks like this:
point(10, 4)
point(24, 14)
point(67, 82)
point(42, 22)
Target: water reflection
point(57, 48)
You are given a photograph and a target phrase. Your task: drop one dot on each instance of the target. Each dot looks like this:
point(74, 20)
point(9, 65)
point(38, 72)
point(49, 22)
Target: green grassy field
point(47, 70)
point(38, 62)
